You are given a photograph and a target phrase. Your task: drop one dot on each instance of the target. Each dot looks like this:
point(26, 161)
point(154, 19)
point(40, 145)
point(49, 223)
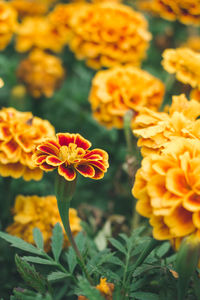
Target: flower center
point(68, 153)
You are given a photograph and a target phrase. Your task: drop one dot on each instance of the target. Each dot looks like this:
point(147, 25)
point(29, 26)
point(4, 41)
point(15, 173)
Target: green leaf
point(38, 238)
point(20, 244)
point(163, 249)
point(57, 241)
point(145, 296)
point(54, 276)
point(39, 260)
point(71, 259)
point(118, 245)
point(89, 291)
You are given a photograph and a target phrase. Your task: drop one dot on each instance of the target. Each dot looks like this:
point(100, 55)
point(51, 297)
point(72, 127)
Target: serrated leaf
point(54, 276)
point(38, 238)
point(57, 241)
point(163, 249)
point(20, 244)
point(118, 245)
point(39, 260)
point(145, 296)
point(71, 259)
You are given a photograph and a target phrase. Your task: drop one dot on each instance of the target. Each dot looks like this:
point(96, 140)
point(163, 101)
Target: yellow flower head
point(155, 129)
point(106, 289)
point(8, 23)
point(117, 90)
point(29, 7)
point(20, 132)
point(183, 62)
point(41, 212)
point(41, 72)
point(121, 36)
point(167, 187)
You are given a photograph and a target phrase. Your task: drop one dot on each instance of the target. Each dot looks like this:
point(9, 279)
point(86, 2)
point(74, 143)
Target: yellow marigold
point(121, 36)
point(185, 63)
point(121, 88)
point(155, 129)
point(41, 212)
point(8, 23)
point(20, 133)
point(106, 289)
point(41, 72)
point(29, 7)
point(168, 191)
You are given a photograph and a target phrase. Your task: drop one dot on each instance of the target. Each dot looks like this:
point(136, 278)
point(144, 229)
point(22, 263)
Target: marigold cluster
point(8, 23)
point(70, 154)
point(41, 212)
point(121, 36)
point(41, 72)
point(155, 129)
point(117, 90)
point(20, 132)
point(185, 63)
point(106, 289)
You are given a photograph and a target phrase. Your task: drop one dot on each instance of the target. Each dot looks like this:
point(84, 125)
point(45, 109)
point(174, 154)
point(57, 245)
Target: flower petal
point(176, 182)
point(44, 166)
point(67, 172)
point(192, 202)
point(53, 161)
point(64, 139)
point(81, 142)
point(39, 159)
point(47, 148)
point(86, 170)
point(98, 174)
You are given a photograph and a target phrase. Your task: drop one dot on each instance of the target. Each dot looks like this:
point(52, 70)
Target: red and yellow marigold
point(41, 72)
point(8, 23)
point(121, 36)
point(155, 129)
point(117, 90)
point(70, 153)
point(41, 212)
point(20, 132)
point(106, 289)
point(168, 191)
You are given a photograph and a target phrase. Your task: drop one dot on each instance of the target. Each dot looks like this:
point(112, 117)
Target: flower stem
point(64, 193)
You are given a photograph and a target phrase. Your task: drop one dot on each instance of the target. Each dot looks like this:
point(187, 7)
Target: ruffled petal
point(64, 139)
point(67, 172)
point(86, 170)
point(44, 166)
point(47, 148)
point(81, 142)
point(54, 161)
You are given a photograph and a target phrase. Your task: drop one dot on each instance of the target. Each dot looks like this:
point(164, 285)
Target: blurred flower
point(121, 36)
point(155, 129)
point(41, 212)
point(1, 83)
point(41, 72)
point(193, 43)
point(8, 23)
point(20, 132)
point(29, 7)
point(106, 289)
point(18, 91)
point(117, 90)
point(195, 94)
point(168, 191)
point(70, 154)
point(185, 63)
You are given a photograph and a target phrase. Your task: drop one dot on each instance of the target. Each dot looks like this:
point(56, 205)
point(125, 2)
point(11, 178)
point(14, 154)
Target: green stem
point(127, 132)
point(64, 193)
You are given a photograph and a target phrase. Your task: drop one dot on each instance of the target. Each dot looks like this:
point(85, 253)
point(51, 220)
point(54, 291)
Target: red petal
point(65, 139)
point(98, 174)
point(81, 142)
point(98, 164)
point(44, 166)
point(54, 143)
point(86, 170)
point(101, 153)
point(67, 172)
point(47, 148)
point(40, 159)
point(53, 161)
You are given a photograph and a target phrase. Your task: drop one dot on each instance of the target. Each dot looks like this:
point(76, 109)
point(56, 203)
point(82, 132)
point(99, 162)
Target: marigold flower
point(121, 36)
point(117, 90)
point(168, 191)
point(106, 289)
point(41, 72)
point(20, 132)
point(70, 154)
point(29, 7)
point(185, 63)
point(193, 43)
point(41, 212)
point(8, 23)
point(155, 129)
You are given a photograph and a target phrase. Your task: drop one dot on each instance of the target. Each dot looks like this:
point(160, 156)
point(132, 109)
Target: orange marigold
point(168, 191)
point(121, 88)
point(121, 36)
point(20, 132)
point(41, 72)
point(29, 7)
point(155, 129)
point(106, 289)
point(41, 212)
point(8, 23)
point(69, 153)
point(185, 63)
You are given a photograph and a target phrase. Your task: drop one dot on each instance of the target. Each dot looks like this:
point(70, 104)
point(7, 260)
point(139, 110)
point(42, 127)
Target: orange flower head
point(121, 36)
point(20, 132)
point(105, 288)
point(69, 153)
point(41, 212)
point(41, 72)
point(168, 190)
point(184, 63)
point(155, 129)
point(8, 23)
point(117, 90)
point(29, 7)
